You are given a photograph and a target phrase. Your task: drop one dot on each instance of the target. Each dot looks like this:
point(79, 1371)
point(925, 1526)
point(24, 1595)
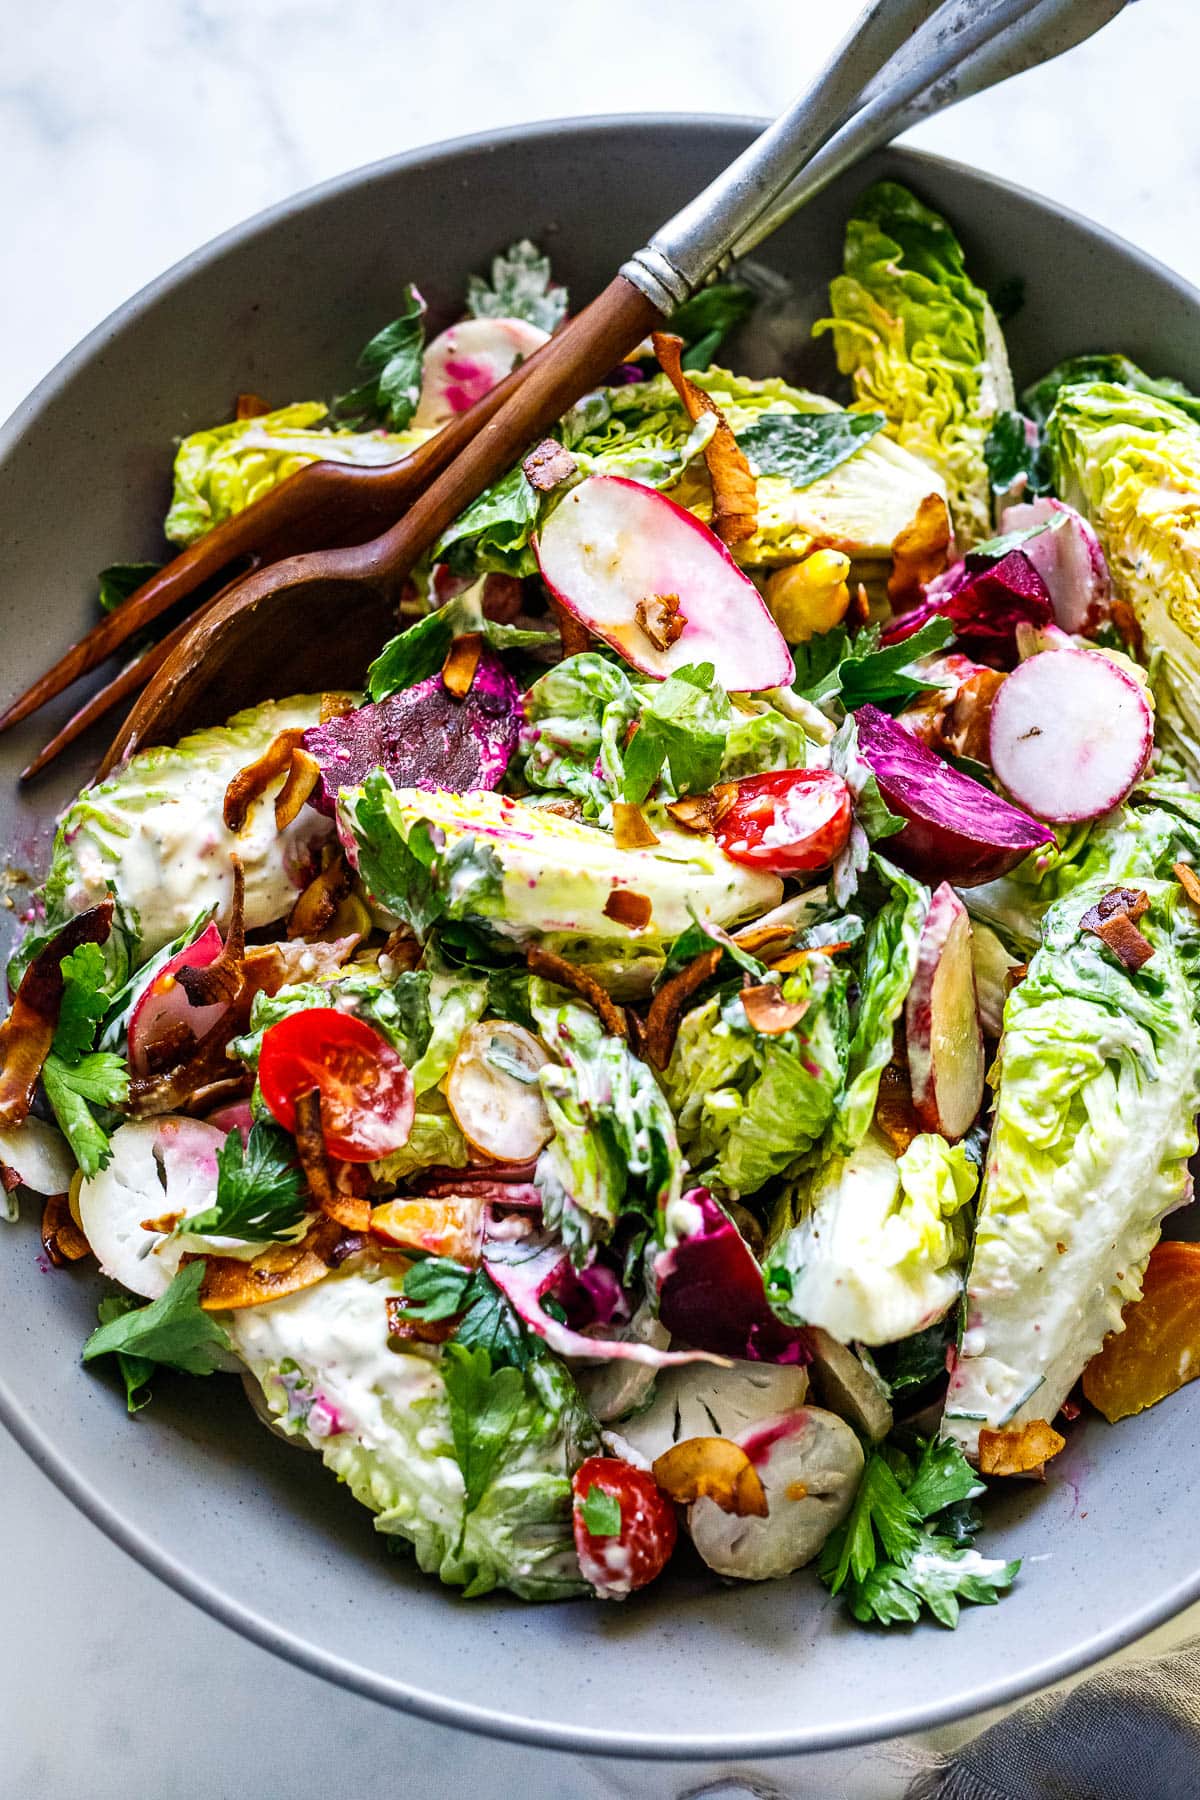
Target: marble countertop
point(132, 132)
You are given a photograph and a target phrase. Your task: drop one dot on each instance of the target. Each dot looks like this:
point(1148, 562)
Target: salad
point(703, 1044)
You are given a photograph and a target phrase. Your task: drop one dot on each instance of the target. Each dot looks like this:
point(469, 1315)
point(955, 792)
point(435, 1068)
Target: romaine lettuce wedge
point(923, 345)
point(1099, 1084)
point(379, 1416)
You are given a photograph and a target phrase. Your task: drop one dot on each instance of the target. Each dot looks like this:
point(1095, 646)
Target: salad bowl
point(232, 1517)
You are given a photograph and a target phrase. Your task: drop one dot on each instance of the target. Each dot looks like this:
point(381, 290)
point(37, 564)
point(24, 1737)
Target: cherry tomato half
point(616, 1563)
point(793, 820)
point(366, 1091)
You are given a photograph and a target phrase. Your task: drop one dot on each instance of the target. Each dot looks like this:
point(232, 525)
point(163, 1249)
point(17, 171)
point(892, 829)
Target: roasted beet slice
point(985, 599)
point(423, 736)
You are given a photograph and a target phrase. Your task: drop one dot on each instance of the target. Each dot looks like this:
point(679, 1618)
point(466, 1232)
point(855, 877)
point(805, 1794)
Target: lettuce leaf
point(923, 345)
point(520, 288)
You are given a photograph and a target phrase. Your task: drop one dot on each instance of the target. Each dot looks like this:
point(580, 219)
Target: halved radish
point(38, 1156)
point(1070, 734)
point(468, 361)
point(1068, 558)
point(163, 1007)
point(652, 581)
point(941, 1021)
point(492, 1090)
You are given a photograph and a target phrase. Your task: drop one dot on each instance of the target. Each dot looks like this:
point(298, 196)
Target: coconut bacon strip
point(252, 782)
point(212, 983)
point(349, 1210)
point(556, 968)
point(735, 491)
point(28, 1032)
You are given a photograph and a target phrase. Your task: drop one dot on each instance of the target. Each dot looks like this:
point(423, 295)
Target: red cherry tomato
point(366, 1091)
point(641, 1549)
point(793, 820)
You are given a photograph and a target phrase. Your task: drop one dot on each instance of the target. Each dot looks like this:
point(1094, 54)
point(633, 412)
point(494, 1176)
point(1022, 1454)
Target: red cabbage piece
point(957, 830)
point(527, 1268)
point(710, 1293)
point(985, 598)
point(423, 736)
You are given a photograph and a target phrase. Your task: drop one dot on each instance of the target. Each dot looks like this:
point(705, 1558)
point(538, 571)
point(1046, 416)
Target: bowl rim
point(37, 1440)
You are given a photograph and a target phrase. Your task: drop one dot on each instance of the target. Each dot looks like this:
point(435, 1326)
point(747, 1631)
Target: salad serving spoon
point(905, 59)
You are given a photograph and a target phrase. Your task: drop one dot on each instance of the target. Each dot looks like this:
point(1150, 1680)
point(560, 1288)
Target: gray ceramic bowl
point(195, 1488)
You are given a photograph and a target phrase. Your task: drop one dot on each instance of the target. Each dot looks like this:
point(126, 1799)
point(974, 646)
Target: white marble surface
point(131, 132)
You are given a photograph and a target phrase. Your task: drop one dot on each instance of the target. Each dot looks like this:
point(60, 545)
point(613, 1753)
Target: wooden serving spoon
point(317, 618)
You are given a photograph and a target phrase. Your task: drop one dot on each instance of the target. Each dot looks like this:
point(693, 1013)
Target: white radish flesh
point(613, 550)
point(38, 1155)
point(700, 1401)
point(163, 1005)
point(159, 1167)
point(493, 1091)
point(810, 1463)
point(848, 1387)
point(941, 1021)
point(467, 361)
point(1068, 558)
point(1070, 734)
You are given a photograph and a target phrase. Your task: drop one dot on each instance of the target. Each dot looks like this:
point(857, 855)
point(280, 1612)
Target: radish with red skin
point(941, 1022)
point(957, 829)
point(163, 1005)
point(612, 546)
point(467, 361)
point(1071, 734)
point(1068, 558)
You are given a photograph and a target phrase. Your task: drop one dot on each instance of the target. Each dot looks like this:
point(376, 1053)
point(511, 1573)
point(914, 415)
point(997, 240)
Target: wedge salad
point(703, 1044)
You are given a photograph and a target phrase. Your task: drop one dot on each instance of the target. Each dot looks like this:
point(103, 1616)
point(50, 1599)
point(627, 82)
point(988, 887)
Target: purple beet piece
point(710, 1293)
point(985, 599)
point(423, 736)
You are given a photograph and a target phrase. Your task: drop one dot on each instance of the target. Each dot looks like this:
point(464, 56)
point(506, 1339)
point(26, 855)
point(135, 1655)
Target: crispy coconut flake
point(712, 1468)
point(556, 968)
point(574, 633)
point(660, 619)
point(1189, 881)
point(1024, 1450)
point(252, 782)
point(1114, 920)
point(735, 490)
point(28, 1032)
point(920, 552)
point(302, 777)
point(231, 1283)
point(630, 829)
point(337, 705)
point(62, 1239)
point(895, 1116)
point(350, 1210)
point(462, 660)
point(549, 466)
point(666, 1008)
point(768, 1012)
point(315, 909)
point(624, 907)
point(221, 981)
point(796, 959)
point(704, 812)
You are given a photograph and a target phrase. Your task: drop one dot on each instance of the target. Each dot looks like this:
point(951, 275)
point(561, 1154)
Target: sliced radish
point(1068, 558)
point(957, 829)
point(1070, 734)
point(492, 1089)
point(38, 1155)
point(163, 1006)
point(652, 581)
point(160, 1169)
point(468, 361)
point(941, 1021)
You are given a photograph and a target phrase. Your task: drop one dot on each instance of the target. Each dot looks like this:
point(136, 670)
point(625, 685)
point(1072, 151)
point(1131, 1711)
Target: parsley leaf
point(420, 651)
point(392, 364)
point(483, 1410)
point(684, 724)
point(907, 1541)
point(120, 580)
point(72, 1089)
point(259, 1192)
point(804, 446)
point(601, 1513)
point(520, 288)
point(84, 1002)
point(833, 664)
point(135, 1370)
point(439, 1288)
point(412, 874)
point(173, 1330)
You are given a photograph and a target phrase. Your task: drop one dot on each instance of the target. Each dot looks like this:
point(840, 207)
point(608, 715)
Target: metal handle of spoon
point(683, 253)
point(1048, 30)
